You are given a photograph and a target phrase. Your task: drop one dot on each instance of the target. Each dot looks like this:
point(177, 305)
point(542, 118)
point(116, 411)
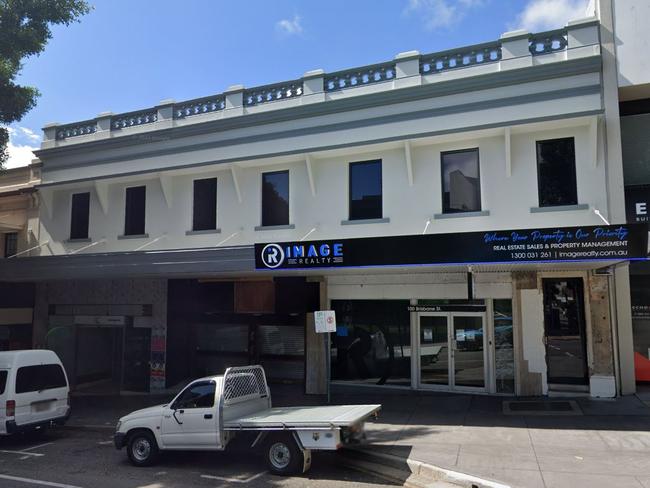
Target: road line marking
point(36, 447)
point(234, 480)
point(36, 482)
point(35, 454)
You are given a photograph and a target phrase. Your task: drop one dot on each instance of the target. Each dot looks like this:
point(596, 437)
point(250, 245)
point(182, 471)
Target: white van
point(33, 391)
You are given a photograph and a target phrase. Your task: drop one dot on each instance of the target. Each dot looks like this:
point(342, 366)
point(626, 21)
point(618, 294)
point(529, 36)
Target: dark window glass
point(275, 198)
point(556, 172)
point(205, 204)
point(79, 216)
point(197, 395)
point(461, 185)
point(3, 381)
point(365, 190)
point(135, 210)
point(11, 244)
point(372, 343)
point(41, 377)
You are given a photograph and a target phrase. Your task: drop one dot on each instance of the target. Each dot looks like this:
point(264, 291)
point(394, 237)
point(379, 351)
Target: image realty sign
point(556, 244)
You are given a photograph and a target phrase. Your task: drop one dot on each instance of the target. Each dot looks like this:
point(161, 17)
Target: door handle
point(207, 416)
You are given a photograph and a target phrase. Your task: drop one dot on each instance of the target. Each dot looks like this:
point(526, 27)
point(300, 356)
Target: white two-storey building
point(453, 208)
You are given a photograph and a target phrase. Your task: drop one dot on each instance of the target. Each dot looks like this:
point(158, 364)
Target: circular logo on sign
point(272, 255)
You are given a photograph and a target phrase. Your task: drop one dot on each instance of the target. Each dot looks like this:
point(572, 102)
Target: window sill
point(79, 239)
point(275, 227)
point(455, 215)
point(133, 236)
point(202, 232)
point(385, 220)
point(559, 208)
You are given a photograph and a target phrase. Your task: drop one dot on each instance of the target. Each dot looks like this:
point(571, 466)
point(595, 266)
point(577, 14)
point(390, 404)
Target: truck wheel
point(283, 457)
point(142, 449)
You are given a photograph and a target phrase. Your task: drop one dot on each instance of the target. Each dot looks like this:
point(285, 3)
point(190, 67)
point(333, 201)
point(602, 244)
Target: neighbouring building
point(461, 212)
point(19, 229)
point(628, 21)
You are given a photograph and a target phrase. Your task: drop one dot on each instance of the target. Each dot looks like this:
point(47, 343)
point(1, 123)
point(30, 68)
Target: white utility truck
point(208, 413)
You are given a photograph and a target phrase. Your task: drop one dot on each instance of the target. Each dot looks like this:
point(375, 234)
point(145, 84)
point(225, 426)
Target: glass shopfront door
point(452, 350)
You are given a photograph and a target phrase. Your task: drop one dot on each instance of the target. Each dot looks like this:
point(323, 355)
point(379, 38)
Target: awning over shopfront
point(565, 248)
point(172, 263)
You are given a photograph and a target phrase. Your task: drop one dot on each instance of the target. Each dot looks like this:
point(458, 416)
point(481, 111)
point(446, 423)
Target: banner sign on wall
point(593, 243)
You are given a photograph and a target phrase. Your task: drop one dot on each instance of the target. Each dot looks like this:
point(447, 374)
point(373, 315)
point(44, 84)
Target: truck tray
point(323, 417)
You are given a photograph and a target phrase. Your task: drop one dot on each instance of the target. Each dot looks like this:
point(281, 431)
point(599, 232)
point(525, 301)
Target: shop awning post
point(325, 322)
point(328, 362)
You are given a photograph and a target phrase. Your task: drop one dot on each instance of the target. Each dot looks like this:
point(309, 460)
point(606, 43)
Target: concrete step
point(410, 472)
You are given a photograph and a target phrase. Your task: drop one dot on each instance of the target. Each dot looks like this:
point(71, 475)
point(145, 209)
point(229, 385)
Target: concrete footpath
point(603, 443)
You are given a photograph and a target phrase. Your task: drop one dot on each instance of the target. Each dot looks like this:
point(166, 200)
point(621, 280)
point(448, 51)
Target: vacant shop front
point(214, 324)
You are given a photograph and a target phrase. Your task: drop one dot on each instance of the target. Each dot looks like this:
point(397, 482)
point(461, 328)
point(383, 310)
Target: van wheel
point(142, 449)
point(283, 457)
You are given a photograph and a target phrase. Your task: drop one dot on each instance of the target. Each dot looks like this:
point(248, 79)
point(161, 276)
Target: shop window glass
point(640, 296)
point(205, 204)
point(372, 343)
point(275, 198)
point(135, 210)
point(461, 185)
point(556, 172)
point(504, 356)
point(365, 190)
point(79, 216)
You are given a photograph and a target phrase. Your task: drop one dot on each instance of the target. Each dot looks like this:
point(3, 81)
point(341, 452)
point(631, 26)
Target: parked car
point(208, 413)
point(34, 391)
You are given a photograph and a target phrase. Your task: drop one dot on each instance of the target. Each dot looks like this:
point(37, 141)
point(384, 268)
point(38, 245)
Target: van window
point(41, 377)
point(3, 381)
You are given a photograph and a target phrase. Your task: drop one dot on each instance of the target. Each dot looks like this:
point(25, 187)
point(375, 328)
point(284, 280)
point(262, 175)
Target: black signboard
point(556, 244)
point(637, 203)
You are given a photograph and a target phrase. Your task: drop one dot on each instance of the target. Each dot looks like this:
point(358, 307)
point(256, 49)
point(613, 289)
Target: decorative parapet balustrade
point(76, 129)
point(133, 119)
point(548, 42)
point(460, 58)
point(199, 106)
point(271, 93)
point(513, 45)
point(356, 77)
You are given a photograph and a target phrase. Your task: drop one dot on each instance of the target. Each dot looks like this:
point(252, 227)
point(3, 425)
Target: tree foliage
point(24, 31)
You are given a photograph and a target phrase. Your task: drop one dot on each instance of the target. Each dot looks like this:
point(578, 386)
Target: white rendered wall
point(532, 329)
point(632, 36)
point(508, 199)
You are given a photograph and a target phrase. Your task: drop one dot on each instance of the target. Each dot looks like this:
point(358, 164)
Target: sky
point(131, 54)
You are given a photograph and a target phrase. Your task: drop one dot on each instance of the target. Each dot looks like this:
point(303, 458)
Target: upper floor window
point(79, 216)
point(275, 198)
point(205, 204)
point(556, 172)
point(134, 214)
point(365, 190)
point(461, 184)
point(11, 244)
